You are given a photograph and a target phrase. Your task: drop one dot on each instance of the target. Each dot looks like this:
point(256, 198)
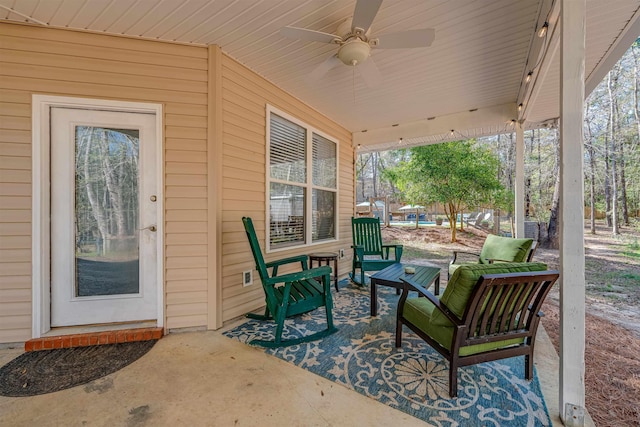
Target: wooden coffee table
point(391, 276)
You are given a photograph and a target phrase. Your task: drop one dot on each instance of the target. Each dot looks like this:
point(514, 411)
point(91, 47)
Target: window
point(302, 183)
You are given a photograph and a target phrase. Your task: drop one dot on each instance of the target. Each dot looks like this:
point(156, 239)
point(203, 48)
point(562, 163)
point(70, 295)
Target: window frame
point(308, 185)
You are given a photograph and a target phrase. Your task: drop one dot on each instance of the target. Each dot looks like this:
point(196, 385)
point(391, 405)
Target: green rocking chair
point(369, 254)
point(290, 294)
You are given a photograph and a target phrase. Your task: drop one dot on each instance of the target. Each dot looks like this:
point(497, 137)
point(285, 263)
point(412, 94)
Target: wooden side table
point(326, 257)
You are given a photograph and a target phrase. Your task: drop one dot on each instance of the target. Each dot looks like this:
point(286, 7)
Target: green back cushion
point(504, 248)
point(464, 279)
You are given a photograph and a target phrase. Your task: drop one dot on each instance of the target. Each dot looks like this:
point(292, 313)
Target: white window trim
point(307, 185)
point(40, 195)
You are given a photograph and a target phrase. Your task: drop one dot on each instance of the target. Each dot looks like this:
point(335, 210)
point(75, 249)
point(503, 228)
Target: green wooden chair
point(369, 254)
point(290, 294)
point(487, 312)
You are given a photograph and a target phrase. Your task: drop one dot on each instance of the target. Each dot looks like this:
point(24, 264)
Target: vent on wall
point(247, 278)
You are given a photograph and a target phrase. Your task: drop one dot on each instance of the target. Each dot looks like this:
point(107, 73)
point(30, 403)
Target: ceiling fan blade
point(365, 13)
point(370, 73)
point(323, 68)
point(309, 35)
point(406, 39)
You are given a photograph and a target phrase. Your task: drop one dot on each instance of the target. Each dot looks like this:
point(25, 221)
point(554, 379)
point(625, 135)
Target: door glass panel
point(106, 211)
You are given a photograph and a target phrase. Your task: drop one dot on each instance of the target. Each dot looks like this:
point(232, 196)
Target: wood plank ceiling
point(477, 62)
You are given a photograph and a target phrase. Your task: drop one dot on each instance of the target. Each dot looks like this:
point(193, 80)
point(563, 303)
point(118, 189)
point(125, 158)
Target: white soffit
point(611, 28)
point(477, 61)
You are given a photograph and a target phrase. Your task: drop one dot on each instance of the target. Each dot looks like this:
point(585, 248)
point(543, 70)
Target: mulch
point(48, 371)
point(612, 369)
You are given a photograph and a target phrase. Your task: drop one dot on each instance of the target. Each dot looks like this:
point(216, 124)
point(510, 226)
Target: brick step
point(93, 338)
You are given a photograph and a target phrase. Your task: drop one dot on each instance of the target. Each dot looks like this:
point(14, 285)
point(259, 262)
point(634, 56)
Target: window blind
point(287, 150)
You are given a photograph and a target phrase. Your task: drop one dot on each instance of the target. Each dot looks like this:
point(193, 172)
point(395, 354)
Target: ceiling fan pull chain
point(354, 84)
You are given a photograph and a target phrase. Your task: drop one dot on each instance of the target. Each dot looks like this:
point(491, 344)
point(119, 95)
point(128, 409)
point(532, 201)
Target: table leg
point(436, 286)
point(374, 300)
point(335, 273)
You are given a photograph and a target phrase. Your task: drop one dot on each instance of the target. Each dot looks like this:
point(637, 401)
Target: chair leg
point(279, 318)
point(528, 366)
point(453, 379)
point(328, 305)
point(362, 282)
point(398, 333)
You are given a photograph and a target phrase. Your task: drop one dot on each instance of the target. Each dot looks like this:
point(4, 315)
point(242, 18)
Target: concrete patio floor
point(205, 379)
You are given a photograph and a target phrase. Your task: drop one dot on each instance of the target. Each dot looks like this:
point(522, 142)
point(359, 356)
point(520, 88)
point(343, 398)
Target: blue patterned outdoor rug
point(414, 378)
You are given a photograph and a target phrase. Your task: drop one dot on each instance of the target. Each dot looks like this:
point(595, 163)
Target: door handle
point(150, 228)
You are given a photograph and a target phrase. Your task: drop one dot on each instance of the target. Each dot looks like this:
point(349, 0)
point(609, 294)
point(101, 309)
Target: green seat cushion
point(420, 311)
point(504, 248)
point(465, 278)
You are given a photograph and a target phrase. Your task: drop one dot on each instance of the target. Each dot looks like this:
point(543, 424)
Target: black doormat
point(47, 371)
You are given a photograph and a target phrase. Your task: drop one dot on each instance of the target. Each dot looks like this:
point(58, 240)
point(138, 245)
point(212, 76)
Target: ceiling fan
point(356, 43)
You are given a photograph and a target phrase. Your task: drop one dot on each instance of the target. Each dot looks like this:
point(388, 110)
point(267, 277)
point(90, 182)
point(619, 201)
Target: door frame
point(40, 205)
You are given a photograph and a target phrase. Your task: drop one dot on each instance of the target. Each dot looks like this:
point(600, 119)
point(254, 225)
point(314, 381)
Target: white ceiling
point(481, 53)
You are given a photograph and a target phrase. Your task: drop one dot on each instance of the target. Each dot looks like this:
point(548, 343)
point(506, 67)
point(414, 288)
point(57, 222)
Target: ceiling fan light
point(354, 52)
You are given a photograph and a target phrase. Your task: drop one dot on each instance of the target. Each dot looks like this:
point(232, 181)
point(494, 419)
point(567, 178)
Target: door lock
point(153, 198)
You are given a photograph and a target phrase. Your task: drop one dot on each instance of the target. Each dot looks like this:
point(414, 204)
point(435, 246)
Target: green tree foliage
point(456, 174)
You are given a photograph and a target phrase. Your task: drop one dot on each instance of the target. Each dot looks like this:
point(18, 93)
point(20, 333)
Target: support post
point(519, 202)
point(572, 280)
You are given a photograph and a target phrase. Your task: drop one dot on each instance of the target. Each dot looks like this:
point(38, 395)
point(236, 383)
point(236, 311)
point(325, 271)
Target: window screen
point(324, 162)
point(324, 220)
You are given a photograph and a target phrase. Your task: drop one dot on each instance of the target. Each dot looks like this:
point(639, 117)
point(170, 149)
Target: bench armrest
point(409, 285)
point(456, 253)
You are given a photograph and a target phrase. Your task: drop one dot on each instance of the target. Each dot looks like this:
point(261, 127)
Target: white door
point(103, 217)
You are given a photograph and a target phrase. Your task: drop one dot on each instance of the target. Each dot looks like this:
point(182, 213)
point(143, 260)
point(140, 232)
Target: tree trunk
point(607, 165)
point(374, 173)
point(527, 197)
point(362, 164)
point(540, 192)
point(510, 170)
point(592, 174)
point(113, 184)
point(623, 187)
point(552, 240)
point(612, 139)
point(451, 212)
point(97, 209)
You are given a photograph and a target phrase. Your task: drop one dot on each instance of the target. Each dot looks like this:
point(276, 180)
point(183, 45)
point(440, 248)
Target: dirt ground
point(612, 270)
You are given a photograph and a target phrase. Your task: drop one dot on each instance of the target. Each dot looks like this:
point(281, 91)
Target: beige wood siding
point(244, 98)
point(36, 60)
point(68, 63)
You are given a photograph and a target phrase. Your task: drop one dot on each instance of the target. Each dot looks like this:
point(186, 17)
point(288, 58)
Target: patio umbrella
point(411, 208)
